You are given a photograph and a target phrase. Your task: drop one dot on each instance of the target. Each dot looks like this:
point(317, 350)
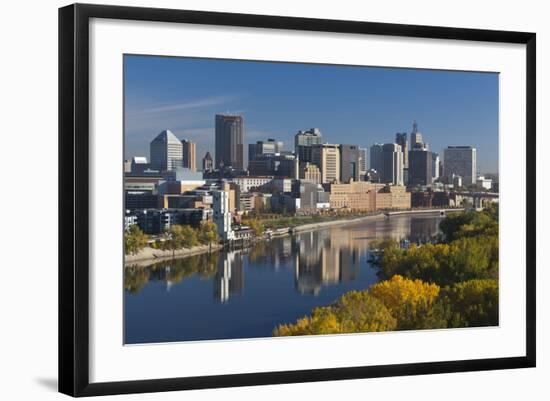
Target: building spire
point(415, 127)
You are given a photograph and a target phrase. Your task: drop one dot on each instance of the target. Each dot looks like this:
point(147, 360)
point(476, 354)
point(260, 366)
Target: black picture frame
point(74, 203)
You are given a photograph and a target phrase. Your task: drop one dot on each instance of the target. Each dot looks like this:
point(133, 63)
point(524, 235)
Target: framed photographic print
point(250, 199)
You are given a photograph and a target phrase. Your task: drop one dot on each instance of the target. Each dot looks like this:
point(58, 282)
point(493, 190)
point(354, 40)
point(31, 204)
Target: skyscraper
point(207, 163)
point(420, 167)
point(392, 164)
point(401, 140)
point(327, 158)
point(376, 157)
point(435, 166)
point(460, 160)
point(303, 142)
point(229, 141)
point(416, 137)
point(166, 152)
point(364, 160)
point(350, 163)
point(189, 154)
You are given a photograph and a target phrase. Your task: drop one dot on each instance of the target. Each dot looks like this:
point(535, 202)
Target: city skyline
point(340, 217)
point(356, 105)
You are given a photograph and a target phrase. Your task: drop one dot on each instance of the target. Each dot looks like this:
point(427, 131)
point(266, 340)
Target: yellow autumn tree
point(354, 312)
point(412, 302)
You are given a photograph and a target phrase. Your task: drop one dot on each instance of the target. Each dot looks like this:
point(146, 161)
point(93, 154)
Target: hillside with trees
point(452, 283)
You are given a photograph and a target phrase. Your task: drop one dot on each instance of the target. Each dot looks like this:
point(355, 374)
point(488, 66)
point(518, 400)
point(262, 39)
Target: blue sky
point(356, 105)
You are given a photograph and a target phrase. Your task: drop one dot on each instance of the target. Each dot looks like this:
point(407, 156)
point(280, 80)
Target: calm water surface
point(246, 293)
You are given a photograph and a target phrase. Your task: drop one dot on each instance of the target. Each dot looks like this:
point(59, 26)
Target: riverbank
point(240, 281)
point(422, 211)
point(150, 255)
point(338, 222)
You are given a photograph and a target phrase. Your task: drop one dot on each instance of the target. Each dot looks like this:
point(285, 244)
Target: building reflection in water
point(229, 278)
point(333, 256)
point(319, 258)
point(274, 254)
point(326, 257)
point(168, 282)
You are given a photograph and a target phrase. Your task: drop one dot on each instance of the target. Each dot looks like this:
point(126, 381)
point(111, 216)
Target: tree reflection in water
point(319, 258)
point(171, 272)
point(246, 293)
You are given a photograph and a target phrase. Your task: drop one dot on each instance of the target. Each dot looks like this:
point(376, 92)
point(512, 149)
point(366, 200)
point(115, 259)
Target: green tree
point(208, 233)
point(470, 223)
point(463, 259)
point(474, 303)
point(180, 236)
point(189, 237)
point(256, 226)
point(383, 244)
point(134, 240)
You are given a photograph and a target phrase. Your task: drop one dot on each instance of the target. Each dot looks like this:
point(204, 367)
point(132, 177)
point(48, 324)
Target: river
point(246, 293)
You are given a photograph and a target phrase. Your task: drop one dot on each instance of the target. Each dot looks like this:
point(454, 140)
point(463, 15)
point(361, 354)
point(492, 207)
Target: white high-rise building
point(327, 158)
point(392, 164)
point(435, 166)
point(166, 152)
point(460, 160)
point(401, 140)
point(222, 214)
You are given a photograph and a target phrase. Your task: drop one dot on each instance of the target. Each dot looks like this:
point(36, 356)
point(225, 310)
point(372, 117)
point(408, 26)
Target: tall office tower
point(435, 166)
point(207, 163)
point(364, 165)
point(327, 158)
point(269, 147)
point(189, 154)
point(350, 163)
point(166, 152)
point(229, 141)
point(392, 164)
point(303, 142)
point(420, 167)
point(401, 140)
point(416, 137)
point(460, 160)
point(376, 157)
